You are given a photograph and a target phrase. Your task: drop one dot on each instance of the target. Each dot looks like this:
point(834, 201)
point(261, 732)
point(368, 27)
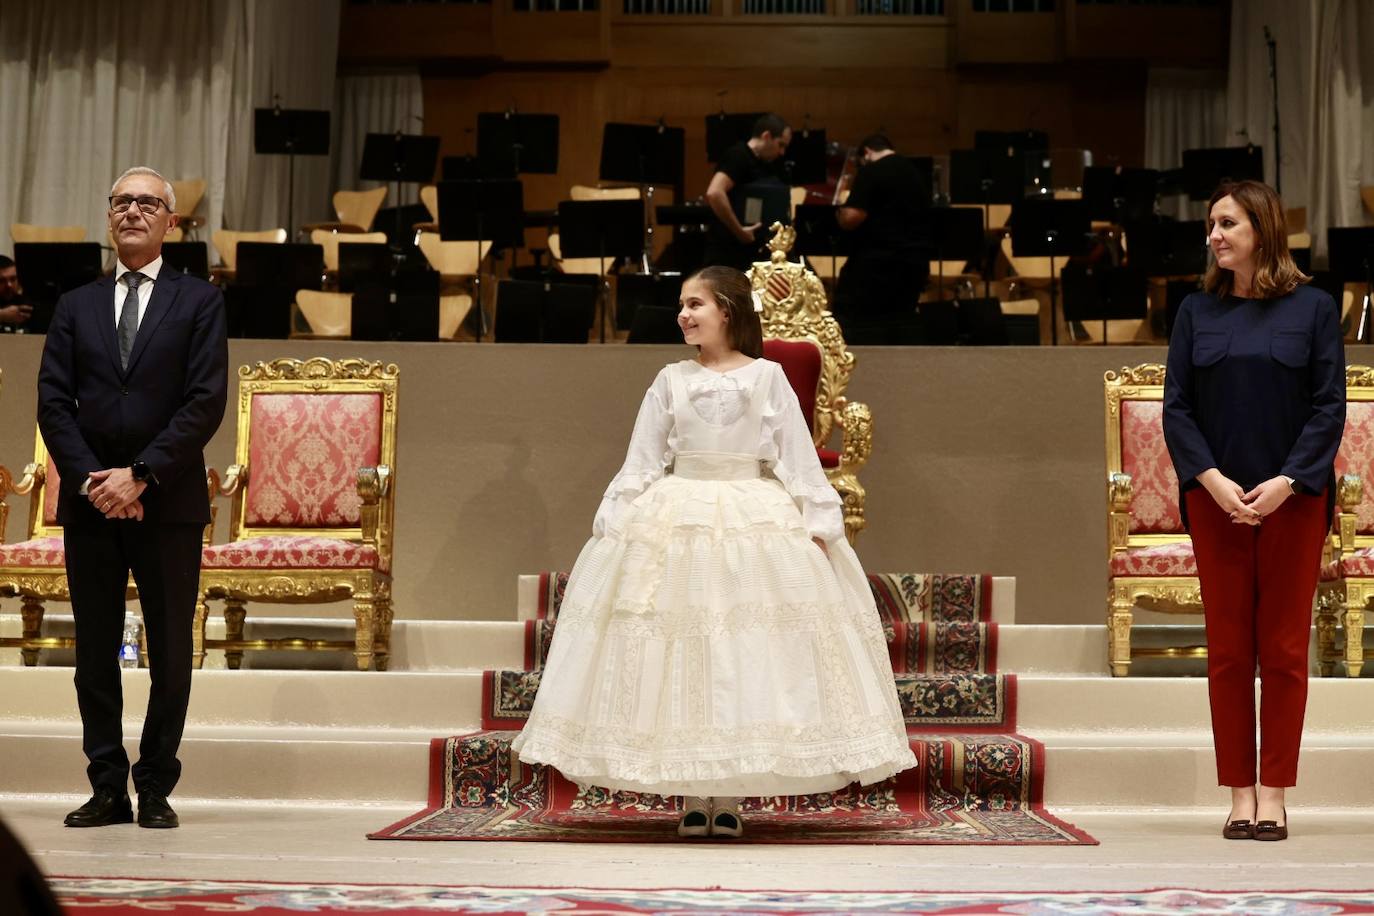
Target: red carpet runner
point(976, 782)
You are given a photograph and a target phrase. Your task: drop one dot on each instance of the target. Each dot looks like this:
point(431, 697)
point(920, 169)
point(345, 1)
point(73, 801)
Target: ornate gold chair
point(313, 498)
point(1150, 556)
point(801, 334)
point(1347, 580)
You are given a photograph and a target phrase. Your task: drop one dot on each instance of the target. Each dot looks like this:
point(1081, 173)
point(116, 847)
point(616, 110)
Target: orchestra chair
point(355, 211)
point(1035, 274)
point(453, 260)
point(1346, 586)
point(803, 337)
point(226, 242)
point(589, 192)
point(1150, 561)
point(189, 193)
point(29, 232)
point(328, 315)
point(1295, 218)
point(313, 503)
point(591, 266)
point(429, 196)
point(34, 570)
point(330, 240)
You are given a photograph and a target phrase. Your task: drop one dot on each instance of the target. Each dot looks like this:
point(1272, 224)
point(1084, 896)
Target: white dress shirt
point(145, 289)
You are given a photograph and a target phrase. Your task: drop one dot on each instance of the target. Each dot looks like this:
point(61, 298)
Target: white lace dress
point(705, 646)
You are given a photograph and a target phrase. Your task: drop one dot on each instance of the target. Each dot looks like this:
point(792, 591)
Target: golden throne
point(313, 497)
point(1346, 586)
point(801, 335)
point(1149, 554)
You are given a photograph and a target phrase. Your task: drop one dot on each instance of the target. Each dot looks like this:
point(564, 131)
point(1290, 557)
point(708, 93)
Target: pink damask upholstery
point(1163, 560)
point(1356, 456)
point(289, 552)
point(304, 457)
point(1154, 493)
point(1358, 564)
point(40, 553)
point(51, 486)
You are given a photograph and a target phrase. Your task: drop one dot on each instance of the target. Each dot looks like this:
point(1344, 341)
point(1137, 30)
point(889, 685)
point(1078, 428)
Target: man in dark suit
point(131, 388)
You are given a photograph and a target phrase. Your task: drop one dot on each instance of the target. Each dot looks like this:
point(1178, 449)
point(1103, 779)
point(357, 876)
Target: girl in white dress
point(717, 637)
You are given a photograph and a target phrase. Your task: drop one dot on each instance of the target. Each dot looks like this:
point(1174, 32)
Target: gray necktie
point(128, 318)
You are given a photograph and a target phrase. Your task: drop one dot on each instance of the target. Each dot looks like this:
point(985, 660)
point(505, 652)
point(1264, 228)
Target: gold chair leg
point(1329, 605)
point(1354, 638)
point(382, 653)
point(234, 613)
point(1120, 614)
point(198, 632)
point(31, 614)
point(365, 618)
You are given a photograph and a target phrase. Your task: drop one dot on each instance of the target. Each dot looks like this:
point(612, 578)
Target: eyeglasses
point(146, 203)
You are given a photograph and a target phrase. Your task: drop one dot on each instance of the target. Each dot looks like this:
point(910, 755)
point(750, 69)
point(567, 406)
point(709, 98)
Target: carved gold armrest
point(1119, 491)
point(6, 486)
point(856, 424)
point(33, 477)
point(1349, 495)
point(373, 485)
point(235, 479)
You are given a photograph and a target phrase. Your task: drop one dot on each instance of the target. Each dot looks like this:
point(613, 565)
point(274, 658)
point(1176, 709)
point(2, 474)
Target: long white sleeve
point(649, 453)
point(789, 452)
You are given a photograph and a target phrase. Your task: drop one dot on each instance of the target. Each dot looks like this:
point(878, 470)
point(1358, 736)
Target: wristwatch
point(142, 473)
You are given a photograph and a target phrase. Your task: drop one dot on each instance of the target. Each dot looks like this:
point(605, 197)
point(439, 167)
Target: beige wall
point(986, 460)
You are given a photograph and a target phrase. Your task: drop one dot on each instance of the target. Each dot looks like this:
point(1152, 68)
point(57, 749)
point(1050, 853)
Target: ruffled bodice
point(747, 411)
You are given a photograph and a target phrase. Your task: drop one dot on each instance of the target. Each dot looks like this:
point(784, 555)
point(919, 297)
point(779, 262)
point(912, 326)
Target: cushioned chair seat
point(289, 552)
point(829, 457)
point(1357, 565)
point(40, 552)
point(1162, 560)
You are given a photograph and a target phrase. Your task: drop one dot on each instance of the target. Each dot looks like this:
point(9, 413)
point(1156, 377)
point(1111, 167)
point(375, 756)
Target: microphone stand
point(1274, 82)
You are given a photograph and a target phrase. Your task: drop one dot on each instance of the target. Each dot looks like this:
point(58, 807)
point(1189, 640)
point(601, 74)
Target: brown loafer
point(1238, 830)
point(1272, 831)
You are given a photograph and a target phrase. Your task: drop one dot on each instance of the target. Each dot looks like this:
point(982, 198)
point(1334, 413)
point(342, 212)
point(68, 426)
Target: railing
point(556, 6)
point(667, 7)
point(899, 7)
point(1013, 6)
point(782, 7)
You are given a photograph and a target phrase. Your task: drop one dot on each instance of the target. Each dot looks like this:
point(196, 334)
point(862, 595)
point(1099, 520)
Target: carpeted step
point(983, 789)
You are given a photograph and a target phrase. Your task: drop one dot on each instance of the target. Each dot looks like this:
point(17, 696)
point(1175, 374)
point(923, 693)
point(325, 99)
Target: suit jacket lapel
point(164, 294)
point(103, 314)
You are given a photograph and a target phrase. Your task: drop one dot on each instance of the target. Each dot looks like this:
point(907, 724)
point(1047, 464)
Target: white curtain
point(89, 89)
point(1184, 109)
point(374, 103)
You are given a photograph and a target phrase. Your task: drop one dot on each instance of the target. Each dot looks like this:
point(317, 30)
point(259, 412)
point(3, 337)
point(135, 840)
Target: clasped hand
point(1246, 508)
point(115, 493)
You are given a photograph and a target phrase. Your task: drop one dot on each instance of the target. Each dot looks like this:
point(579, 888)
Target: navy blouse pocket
point(1210, 347)
point(1291, 347)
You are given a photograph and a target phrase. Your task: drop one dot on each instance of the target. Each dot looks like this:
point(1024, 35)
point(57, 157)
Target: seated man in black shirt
point(730, 243)
point(14, 308)
point(889, 261)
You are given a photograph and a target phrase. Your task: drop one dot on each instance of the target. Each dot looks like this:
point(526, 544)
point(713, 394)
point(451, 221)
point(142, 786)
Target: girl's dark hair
point(734, 295)
point(1276, 274)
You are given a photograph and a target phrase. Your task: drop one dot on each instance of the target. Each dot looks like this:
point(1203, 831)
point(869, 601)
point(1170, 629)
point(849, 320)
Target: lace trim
point(704, 620)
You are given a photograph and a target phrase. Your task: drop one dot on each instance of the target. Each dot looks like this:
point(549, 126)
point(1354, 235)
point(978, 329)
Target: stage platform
point(985, 459)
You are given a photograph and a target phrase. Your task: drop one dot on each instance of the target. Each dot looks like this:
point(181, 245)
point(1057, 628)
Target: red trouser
point(1257, 586)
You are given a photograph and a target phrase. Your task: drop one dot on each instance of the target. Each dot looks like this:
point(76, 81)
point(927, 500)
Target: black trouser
point(876, 296)
point(165, 562)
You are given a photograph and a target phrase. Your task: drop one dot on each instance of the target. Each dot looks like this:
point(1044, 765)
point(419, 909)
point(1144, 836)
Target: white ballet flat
point(696, 818)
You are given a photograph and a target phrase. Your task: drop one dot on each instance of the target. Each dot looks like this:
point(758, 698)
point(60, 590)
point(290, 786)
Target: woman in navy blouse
point(1254, 408)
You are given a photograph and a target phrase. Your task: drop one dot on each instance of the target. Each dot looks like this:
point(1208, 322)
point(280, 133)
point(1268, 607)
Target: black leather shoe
point(107, 806)
point(153, 811)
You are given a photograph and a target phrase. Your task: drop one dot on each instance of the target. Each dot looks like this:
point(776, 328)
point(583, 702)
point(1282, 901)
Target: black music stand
point(601, 229)
point(645, 155)
point(399, 158)
point(531, 311)
point(1168, 248)
point(1350, 252)
point(462, 168)
point(1018, 141)
point(639, 291)
point(1104, 294)
point(366, 270)
point(266, 279)
point(1050, 228)
point(188, 258)
point(1120, 195)
point(725, 130)
point(511, 144)
point(805, 161)
point(986, 177)
point(482, 211)
point(956, 234)
point(819, 234)
point(49, 269)
point(1205, 169)
point(290, 132)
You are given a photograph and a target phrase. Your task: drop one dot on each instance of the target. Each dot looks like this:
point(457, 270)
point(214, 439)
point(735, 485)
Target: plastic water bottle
point(128, 651)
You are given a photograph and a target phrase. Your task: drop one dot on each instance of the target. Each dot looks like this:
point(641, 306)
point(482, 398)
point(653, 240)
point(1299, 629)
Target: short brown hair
point(734, 295)
point(1276, 274)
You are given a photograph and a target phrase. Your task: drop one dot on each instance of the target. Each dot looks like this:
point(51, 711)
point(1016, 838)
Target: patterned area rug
point(977, 781)
point(124, 897)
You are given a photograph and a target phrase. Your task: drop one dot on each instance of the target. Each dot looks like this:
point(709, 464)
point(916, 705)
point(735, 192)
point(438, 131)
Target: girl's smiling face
point(700, 316)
